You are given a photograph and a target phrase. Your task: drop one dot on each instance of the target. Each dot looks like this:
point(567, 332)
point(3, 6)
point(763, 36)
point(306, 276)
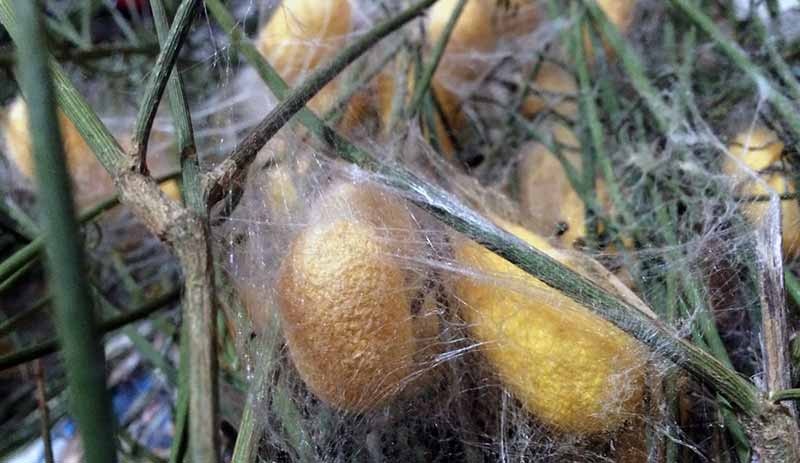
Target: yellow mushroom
point(570, 368)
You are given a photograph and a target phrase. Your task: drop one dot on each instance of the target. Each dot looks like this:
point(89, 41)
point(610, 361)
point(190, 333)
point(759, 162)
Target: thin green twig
point(158, 82)
point(633, 67)
point(50, 346)
point(601, 156)
point(785, 108)
point(421, 86)
point(786, 394)
point(30, 251)
point(9, 325)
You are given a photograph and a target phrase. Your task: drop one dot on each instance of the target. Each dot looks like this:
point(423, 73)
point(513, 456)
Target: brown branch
point(44, 412)
point(774, 327)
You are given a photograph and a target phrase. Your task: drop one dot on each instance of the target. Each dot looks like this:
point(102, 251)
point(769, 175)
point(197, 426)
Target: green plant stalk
point(96, 135)
point(421, 86)
point(111, 324)
point(792, 286)
point(338, 109)
point(633, 67)
point(596, 130)
point(497, 157)
point(161, 219)
point(704, 327)
point(85, 363)
point(23, 225)
point(204, 390)
point(781, 66)
point(66, 30)
point(737, 390)
point(87, 11)
point(30, 251)
point(17, 275)
point(786, 394)
point(400, 89)
point(124, 26)
point(145, 348)
point(429, 113)
point(170, 46)
point(668, 310)
point(190, 169)
point(250, 426)
point(8, 326)
point(229, 172)
point(785, 108)
point(177, 451)
point(21, 258)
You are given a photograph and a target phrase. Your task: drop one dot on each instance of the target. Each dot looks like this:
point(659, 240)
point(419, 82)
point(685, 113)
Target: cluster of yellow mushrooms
point(360, 326)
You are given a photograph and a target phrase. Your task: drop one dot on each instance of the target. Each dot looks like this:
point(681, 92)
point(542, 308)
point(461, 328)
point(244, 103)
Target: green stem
point(170, 46)
point(106, 326)
point(11, 280)
point(197, 348)
point(8, 326)
point(424, 82)
point(21, 258)
point(786, 394)
point(781, 66)
point(74, 315)
point(634, 68)
point(338, 108)
point(596, 131)
point(177, 451)
point(250, 425)
point(785, 108)
point(30, 251)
